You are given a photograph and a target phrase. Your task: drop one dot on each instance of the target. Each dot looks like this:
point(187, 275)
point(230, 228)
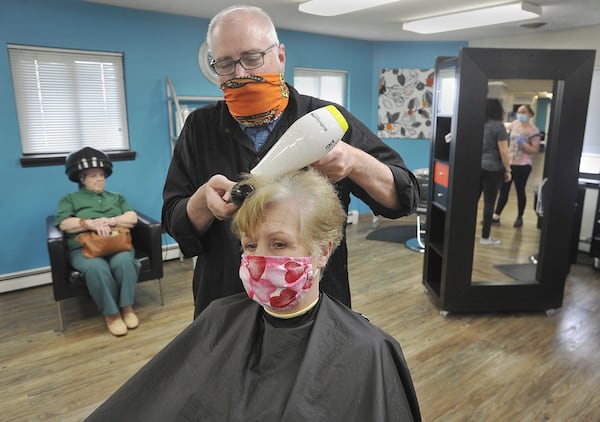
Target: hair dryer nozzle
point(239, 193)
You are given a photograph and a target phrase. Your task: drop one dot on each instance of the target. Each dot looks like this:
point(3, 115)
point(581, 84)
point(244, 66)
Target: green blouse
point(89, 204)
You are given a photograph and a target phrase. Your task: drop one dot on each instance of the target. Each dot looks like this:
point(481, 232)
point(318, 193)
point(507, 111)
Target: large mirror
point(459, 274)
point(514, 259)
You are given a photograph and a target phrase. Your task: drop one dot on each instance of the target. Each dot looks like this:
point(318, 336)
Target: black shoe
point(518, 222)
point(495, 221)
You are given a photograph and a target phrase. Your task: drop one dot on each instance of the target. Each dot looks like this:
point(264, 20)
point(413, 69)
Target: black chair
point(68, 282)
point(417, 243)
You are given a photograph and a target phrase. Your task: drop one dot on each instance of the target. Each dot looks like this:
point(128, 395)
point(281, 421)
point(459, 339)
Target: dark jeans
point(489, 184)
point(520, 174)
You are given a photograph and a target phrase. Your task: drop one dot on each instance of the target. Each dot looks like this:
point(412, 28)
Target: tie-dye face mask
point(257, 99)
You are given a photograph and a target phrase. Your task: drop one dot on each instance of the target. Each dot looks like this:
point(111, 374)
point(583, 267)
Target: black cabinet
point(595, 245)
point(445, 84)
point(461, 85)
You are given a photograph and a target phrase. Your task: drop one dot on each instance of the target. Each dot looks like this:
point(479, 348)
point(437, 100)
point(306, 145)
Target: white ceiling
point(384, 23)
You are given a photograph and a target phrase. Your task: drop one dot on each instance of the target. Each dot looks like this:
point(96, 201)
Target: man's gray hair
point(241, 12)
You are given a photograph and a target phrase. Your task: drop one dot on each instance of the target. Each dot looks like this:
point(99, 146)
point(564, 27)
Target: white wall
point(585, 38)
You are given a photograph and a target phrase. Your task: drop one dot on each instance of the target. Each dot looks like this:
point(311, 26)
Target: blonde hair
point(322, 217)
point(242, 15)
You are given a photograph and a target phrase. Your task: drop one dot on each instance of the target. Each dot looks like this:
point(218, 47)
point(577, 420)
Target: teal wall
point(155, 45)
point(397, 55)
point(543, 108)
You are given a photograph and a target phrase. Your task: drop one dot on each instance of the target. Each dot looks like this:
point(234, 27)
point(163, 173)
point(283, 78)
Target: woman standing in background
point(495, 164)
point(524, 144)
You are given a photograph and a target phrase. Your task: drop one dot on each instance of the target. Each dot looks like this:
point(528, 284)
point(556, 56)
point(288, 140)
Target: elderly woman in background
point(110, 279)
point(282, 351)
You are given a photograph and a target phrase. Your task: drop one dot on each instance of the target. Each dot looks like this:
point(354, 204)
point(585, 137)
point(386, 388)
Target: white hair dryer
point(307, 140)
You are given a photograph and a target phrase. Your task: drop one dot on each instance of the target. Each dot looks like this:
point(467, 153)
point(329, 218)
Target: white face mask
point(522, 117)
point(276, 282)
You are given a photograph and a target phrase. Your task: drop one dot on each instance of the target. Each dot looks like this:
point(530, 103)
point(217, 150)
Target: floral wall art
point(405, 103)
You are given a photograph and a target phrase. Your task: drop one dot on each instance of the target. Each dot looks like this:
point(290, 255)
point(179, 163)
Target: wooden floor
point(522, 367)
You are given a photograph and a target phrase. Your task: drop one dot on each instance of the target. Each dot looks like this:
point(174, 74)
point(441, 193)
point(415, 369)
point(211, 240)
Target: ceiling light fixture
point(338, 7)
point(475, 18)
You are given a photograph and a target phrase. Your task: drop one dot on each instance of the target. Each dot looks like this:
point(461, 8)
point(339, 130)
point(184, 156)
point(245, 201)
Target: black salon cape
point(346, 370)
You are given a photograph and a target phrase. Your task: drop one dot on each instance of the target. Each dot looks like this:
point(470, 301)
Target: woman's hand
point(99, 225)
point(104, 221)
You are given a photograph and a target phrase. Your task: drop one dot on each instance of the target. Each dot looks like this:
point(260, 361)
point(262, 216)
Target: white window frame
point(318, 83)
point(67, 99)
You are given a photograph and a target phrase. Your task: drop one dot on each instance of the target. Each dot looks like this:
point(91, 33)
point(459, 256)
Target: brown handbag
point(95, 245)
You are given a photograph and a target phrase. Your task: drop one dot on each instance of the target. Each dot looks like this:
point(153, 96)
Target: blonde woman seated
point(290, 353)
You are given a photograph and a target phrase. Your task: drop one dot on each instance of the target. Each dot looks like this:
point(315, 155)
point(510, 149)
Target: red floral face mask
point(256, 99)
point(276, 282)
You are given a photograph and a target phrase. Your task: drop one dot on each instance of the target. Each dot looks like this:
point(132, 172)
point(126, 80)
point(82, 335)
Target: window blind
point(328, 85)
point(67, 99)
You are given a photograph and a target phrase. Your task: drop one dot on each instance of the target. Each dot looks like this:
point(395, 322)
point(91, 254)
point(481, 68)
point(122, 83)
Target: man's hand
point(211, 201)
point(337, 163)
point(217, 191)
point(366, 171)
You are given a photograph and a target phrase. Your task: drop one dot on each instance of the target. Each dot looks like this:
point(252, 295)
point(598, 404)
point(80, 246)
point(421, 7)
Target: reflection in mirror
point(446, 91)
point(511, 260)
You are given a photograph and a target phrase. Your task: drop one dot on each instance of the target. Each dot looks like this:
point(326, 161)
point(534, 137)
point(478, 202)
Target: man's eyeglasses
point(248, 61)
